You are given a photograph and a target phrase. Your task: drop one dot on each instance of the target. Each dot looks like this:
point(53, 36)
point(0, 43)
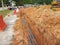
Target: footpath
point(7, 35)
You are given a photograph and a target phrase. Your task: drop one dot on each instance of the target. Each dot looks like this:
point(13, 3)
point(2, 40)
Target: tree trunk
point(2, 3)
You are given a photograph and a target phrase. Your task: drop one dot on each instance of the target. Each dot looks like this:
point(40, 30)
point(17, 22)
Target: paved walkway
point(5, 8)
point(7, 35)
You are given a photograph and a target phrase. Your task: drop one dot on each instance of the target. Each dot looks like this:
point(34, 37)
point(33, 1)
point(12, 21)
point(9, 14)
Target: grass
point(5, 12)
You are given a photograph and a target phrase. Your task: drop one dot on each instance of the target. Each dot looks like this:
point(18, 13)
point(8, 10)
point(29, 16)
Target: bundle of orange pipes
point(44, 24)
